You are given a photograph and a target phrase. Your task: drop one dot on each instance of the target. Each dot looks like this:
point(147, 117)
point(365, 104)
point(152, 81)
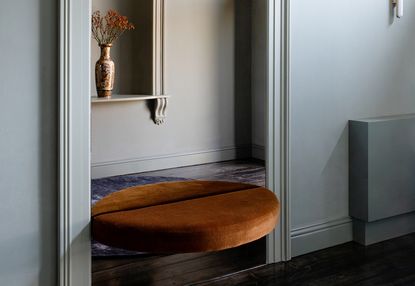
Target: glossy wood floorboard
point(387, 263)
point(245, 171)
point(182, 269)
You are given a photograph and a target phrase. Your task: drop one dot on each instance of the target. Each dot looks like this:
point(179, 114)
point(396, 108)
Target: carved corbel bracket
point(160, 108)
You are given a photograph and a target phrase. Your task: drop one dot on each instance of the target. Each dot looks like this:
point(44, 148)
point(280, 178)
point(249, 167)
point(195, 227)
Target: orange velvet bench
point(189, 216)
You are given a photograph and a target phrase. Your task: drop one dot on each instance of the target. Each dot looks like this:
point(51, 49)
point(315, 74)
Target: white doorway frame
point(75, 109)
point(277, 119)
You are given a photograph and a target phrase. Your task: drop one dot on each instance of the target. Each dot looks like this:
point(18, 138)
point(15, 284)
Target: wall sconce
point(399, 7)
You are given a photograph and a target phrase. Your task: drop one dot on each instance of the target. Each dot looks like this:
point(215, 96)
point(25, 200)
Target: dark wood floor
point(182, 269)
point(387, 263)
point(244, 171)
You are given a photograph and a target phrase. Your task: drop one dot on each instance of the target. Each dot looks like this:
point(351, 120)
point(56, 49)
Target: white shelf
point(158, 111)
point(126, 97)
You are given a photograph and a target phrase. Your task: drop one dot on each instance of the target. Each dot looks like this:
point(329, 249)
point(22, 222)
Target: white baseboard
point(145, 164)
point(319, 236)
point(258, 152)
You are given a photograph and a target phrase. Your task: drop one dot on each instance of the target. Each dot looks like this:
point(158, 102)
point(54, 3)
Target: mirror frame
point(74, 261)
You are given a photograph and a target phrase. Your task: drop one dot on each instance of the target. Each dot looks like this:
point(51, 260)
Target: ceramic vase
point(105, 72)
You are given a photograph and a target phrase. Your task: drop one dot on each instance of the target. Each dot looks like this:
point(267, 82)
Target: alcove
point(213, 64)
point(138, 55)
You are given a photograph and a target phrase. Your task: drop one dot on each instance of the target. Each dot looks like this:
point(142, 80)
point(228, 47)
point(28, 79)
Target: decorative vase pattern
point(104, 72)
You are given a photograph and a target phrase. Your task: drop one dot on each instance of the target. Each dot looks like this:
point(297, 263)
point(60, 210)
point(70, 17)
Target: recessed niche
point(137, 54)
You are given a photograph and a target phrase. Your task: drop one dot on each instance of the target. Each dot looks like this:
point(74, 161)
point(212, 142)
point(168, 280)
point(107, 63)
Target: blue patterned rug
point(103, 187)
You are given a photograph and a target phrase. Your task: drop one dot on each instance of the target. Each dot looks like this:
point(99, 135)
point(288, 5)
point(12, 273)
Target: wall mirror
point(211, 57)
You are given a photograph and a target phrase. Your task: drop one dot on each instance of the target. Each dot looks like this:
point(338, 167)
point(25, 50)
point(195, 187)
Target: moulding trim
point(64, 164)
point(321, 235)
point(277, 147)
point(285, 126)
point(151, 163)
point(319, 226)
point(74, 260)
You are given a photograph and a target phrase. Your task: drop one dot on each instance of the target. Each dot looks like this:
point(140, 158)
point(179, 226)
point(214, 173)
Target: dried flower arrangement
point(106, 29)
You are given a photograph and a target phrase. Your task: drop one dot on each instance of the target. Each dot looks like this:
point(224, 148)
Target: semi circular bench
point(179, 217)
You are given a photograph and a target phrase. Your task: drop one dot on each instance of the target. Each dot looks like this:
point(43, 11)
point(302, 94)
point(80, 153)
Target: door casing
point(74, 136)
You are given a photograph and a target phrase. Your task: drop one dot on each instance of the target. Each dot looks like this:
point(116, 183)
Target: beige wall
point(207, 120)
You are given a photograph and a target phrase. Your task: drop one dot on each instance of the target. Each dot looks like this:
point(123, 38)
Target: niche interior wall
point(208, 67)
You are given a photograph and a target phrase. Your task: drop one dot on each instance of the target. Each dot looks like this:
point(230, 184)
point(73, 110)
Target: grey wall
point(349, 59)
point(28, 137)
point(209, 114)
